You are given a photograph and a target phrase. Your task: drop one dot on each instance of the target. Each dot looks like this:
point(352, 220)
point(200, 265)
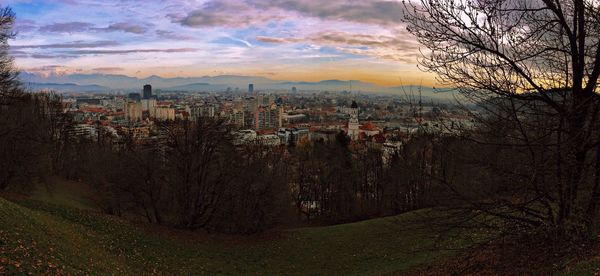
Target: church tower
point(353, 125)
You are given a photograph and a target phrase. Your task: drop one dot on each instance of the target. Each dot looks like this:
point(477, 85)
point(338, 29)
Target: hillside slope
point(39, 237)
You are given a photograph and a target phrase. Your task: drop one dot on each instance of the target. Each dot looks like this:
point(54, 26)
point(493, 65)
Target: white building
point(163, 113)
point(353, 124)
point(148, 104)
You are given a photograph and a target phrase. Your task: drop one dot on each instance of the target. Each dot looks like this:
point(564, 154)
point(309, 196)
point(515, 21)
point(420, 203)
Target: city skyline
point(280, 40)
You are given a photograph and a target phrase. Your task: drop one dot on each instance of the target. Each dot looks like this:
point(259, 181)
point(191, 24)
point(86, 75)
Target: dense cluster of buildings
point(269, 118)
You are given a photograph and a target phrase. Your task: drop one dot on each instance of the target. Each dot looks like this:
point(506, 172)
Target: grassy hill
point(57, 230)
point(50, 234)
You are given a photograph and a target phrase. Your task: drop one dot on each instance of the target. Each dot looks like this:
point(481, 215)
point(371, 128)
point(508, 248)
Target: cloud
point(125, 27)
point(17, 53)
point(278, 39)
point(50, 70)
point(107, 69)
point(367, 11)
point(400, 47)
point(69, 45)
point(42, 56)
point(24, 25)
point(76, 27)
point(345, 38)
point(172, 35)
point(224, 13)
point(129, 51)
point(68, 27)
point(227, 13)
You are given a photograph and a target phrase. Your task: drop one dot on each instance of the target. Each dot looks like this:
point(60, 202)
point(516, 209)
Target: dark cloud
point(68, 27)
point(367, 11)
point(229, 13)
point(125, 27)
point(42, 56)
point(224, 13)
point(23, 54)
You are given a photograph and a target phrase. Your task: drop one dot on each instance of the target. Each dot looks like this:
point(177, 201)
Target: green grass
point(58, 231)
point(586, 267)
point(38, 237)
point(66, 193)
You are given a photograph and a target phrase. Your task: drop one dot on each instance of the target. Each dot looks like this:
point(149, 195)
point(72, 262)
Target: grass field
point(58, 231)
point(55, 232)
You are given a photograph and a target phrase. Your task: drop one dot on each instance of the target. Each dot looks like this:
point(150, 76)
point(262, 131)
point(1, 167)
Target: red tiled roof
point(368, 126)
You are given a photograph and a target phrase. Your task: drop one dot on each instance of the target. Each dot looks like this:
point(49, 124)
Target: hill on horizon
point(110, 82)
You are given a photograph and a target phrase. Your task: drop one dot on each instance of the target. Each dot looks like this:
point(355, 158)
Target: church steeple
point(353, 124)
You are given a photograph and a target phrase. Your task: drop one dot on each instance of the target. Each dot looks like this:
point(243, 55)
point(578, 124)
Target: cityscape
point(299, 137)
point(267, 117)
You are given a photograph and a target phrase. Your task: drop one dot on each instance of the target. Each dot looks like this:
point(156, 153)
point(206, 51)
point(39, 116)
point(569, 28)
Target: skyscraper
point(294, 89)
point(147, 91)
point(251, 88)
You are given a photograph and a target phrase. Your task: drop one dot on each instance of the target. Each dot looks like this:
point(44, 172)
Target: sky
point(301, 40)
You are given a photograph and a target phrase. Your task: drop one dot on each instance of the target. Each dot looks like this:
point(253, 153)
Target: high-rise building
point(147, 91)
point(294, 89)
point(251, 88)
point(237, 118)
point(205, 111)
point(268, 117)
point(148, 104)
point(163, 113)
point(133, 111)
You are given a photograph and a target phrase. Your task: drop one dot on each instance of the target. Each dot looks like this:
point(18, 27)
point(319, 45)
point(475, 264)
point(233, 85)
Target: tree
point(9, 86)
point(533, 66)
point(196, 154)
point(29, 123)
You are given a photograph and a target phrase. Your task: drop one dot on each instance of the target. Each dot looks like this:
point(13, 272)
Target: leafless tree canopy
point(533, 66)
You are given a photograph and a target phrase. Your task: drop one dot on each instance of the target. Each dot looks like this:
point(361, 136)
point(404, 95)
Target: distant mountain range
point(109, 82)
point(65, 87)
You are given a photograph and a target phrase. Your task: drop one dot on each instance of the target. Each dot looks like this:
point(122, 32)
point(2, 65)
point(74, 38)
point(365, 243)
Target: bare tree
point(200, 175)
point(9, 86)
point(533, 66)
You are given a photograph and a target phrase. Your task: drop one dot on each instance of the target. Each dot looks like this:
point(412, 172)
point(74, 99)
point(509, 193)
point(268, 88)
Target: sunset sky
point(304, 40)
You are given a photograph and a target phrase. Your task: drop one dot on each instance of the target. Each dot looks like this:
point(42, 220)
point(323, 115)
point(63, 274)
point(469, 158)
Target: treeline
point(197, 178)
point(29, 123)
point(194, 179)
point(341, 182)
